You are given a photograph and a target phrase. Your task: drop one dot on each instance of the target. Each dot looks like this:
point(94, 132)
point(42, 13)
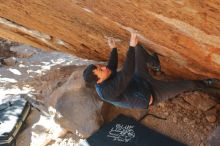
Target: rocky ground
point(190, 117)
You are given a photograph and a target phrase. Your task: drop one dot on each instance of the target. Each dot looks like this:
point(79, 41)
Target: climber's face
point(102, 72)
point(154, 63)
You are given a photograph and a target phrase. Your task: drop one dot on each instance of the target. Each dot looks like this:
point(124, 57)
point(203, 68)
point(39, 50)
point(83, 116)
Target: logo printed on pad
point(122, 133)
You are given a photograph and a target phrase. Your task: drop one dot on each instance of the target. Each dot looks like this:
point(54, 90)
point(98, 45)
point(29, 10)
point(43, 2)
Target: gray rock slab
point(78, 105)
point(214, 138)
point(24, 51)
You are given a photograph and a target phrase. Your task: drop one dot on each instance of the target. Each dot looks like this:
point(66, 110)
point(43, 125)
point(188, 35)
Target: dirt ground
point(184, 122)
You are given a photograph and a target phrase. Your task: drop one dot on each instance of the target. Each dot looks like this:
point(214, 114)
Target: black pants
point(163, 90)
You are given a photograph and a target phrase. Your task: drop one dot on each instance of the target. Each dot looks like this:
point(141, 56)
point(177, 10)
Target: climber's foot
point(210, 82)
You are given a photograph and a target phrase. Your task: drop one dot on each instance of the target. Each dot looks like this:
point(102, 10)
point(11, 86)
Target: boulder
point(11, 61)
point(5, 48)
point(78, 106)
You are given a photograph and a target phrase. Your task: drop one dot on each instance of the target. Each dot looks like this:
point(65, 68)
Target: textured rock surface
point(185, 33)
point(200, 101)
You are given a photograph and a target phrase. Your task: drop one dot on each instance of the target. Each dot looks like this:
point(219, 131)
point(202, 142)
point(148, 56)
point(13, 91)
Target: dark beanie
point(89, 76)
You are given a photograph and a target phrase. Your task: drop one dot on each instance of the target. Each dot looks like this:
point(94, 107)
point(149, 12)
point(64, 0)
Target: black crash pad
point(125, 131)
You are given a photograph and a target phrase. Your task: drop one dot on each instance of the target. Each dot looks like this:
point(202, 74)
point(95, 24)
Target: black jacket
point(124, 88)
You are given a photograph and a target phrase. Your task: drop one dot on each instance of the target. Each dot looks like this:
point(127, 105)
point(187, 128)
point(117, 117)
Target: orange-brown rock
point(185, 33)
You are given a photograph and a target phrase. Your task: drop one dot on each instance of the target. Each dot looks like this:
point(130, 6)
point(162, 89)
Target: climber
point(133, 86)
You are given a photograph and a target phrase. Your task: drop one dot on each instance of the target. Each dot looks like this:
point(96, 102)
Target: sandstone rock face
point(185, 33)
point(78, 105)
